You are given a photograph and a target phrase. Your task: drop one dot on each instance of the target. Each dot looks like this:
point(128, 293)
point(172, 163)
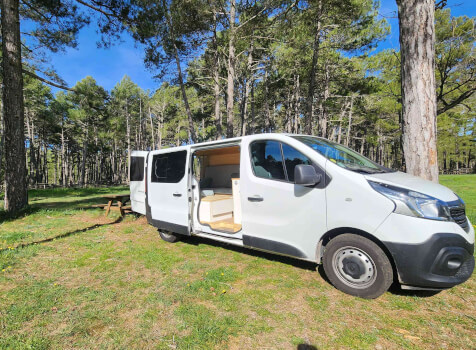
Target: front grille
point(458, 214)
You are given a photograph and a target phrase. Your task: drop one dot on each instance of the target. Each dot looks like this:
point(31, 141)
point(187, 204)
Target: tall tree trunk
point(139, 134)
point(64, 170)
point(244, 109)
point(45, 164)
point(248, 87)
point(267, 123)
point(417, 46)
point(16, 193)
point(56, 159)
point(2, 137)
point(31, 140)
point(341, 118)
point(288, 112)
point(468, 161)
point(312, 75)
point(191, 129)
point(128, 135)
point(362, 144)
point(70, 159)
point(85, 155)
point(252, 117)
point(216, 78)
point(152, 129)
point(297, 102)
point(322, 105)
point(159, 130)
point(231, 71)
point(248, 84)
point(114, 169)
point(349, 125)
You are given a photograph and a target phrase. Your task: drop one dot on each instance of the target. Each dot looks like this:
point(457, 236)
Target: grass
point(465, 187)
point(106, 283)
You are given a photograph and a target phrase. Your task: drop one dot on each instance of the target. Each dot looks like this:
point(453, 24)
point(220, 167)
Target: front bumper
point(442, 261)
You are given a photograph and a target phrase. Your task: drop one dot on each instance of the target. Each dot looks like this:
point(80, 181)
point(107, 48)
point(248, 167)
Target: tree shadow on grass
point(84, 204)
point(306, 347)
point(396, 289)
point(302, 264)
point(63, 235)
point(80, 204)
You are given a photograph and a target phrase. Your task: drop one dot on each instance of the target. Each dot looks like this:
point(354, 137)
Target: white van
point(312, 199)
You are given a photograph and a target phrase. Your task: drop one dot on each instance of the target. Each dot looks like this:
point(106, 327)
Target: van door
point(279, 215)
point(168, 190)
point(137, 181)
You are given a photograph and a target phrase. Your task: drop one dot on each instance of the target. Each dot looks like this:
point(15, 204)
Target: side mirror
point(306, 175)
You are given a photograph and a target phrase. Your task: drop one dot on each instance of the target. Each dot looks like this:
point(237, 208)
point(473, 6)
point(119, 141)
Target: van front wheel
point(357, 266)
point(169, 236)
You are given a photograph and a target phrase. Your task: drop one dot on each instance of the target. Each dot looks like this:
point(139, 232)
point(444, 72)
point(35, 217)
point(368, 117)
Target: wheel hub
point(354, 267)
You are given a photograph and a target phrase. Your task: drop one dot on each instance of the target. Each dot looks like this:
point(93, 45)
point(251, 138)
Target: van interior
point(217, 171)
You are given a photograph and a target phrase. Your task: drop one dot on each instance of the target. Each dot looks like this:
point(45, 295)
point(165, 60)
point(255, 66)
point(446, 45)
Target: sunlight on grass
point(118, 285)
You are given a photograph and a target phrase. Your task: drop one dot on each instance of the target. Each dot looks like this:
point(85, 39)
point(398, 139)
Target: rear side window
point(168, 167)
point(267, 160)
point(137, 169)
point(293, 157)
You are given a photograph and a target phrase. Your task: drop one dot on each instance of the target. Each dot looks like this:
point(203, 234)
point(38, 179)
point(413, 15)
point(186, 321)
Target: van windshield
point(342, 156)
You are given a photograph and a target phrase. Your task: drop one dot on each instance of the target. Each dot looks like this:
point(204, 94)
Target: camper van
point(312, 199)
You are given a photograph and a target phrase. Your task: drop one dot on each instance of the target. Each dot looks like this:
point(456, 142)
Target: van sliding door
point(167, 193)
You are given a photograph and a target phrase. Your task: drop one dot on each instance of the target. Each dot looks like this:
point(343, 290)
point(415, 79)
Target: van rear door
point(167, 190)
point(137, 181)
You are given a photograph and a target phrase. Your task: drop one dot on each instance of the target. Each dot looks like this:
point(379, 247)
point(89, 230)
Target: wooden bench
point(99, 206)
point(115, 202)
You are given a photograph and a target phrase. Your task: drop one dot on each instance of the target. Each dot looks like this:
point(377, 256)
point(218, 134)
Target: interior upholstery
point(260, 170)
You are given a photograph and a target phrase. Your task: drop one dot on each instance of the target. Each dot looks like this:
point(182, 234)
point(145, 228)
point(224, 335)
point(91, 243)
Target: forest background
point(326, 68)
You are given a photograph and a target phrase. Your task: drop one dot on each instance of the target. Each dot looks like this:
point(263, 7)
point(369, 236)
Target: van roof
point(230, 140)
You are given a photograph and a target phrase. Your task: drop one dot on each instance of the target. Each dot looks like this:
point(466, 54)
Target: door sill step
point(216, 237)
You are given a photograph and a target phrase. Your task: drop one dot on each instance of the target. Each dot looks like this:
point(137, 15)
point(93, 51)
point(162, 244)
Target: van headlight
point(408, 202)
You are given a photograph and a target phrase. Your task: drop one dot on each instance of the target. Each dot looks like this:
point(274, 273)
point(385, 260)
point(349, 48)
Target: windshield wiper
point(363, 168)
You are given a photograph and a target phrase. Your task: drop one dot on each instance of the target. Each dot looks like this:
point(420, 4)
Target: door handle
point(255, 198)
point(176, 194)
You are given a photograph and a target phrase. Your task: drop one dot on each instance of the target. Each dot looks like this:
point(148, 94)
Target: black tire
point(364, 272)
point(169, 236)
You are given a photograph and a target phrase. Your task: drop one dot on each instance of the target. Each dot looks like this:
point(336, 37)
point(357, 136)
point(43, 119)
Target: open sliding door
point(167, 194)
point(137, 181)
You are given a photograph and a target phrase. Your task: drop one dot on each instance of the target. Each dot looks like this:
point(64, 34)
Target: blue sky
point(108, 66)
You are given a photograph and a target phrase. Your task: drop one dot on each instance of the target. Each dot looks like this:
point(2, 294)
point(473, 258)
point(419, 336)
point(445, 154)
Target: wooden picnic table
point(120, 199)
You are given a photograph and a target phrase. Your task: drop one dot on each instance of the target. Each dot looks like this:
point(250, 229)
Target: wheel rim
point(354, 267)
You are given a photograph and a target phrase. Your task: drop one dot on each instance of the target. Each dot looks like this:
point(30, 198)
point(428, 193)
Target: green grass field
point(72, 278)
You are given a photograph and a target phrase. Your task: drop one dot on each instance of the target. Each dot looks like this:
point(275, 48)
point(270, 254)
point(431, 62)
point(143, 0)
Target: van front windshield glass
point(342, 156)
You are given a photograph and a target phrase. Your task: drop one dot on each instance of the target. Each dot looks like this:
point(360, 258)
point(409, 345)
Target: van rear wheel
point(169, 236)
point(357, 266)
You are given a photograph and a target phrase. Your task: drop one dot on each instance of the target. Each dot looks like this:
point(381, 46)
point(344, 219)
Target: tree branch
point(95, 8)
point(46, 81)
point(455, 102)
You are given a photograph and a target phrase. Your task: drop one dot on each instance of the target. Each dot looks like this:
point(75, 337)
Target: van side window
point(137, 169)
point(168, 167)
point(267, 160)
point(293, 157)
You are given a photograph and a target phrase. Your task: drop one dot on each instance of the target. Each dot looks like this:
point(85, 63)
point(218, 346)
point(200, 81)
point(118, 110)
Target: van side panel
point(351, 202)
point(279, 215)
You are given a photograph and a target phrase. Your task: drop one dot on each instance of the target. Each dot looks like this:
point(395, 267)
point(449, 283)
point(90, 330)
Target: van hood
point(414, 183)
